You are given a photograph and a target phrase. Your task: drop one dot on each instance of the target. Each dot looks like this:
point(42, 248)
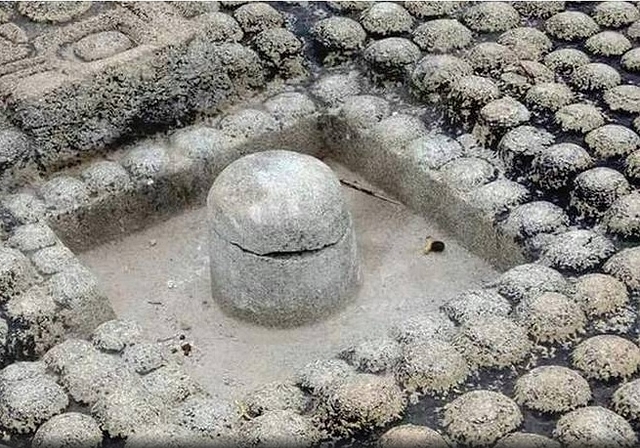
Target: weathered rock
point(294, 227)
point(481, 417)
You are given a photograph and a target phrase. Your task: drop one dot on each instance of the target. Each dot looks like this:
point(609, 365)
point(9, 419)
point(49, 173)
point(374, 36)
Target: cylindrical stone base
point(283, 290)
point(282, 244)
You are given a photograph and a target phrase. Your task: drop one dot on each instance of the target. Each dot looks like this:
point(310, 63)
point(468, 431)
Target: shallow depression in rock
point(160, 277)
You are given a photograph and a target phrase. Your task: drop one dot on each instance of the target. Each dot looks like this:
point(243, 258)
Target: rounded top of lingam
point(278, 201)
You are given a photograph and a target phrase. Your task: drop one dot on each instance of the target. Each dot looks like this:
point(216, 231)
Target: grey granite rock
point(292, 226)
point(71, 429)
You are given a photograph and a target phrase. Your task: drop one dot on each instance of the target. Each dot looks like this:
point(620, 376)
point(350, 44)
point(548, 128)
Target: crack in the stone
point(283, 254)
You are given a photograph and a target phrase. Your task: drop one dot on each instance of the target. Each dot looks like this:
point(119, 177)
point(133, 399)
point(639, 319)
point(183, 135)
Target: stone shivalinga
point(282, 242)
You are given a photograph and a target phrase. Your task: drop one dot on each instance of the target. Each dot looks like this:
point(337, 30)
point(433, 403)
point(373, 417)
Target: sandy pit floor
point(159, 277)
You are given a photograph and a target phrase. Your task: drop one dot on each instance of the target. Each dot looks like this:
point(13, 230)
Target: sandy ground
point(159, 277)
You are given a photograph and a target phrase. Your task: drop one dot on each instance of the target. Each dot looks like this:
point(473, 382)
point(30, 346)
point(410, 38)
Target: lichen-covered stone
point(571, 26)
point(432, 9)
point(468, 94)
point(551, 317)
point(106, 177)
point(431, 367)
point(594, 427)
point(526, 439)
point(623, 217)
point(467, 173)
point(124, 410)
point(490, 58)
point(277, 44)
point(363, 111)
point(276, 396)
point(348, 6)
point(526, 42)
point(36, 327)
point(556, 166)
point(633, 166)
point(212, 418)
point(16, 273)
point(54, 259)
point(612, 140)
point(520, 77)
point(339, 34)
point(595, 190)
point(22, 370)
point(625, 98)
point(625, 266)
point(621, 322)
point(423, 327)
point(220, 27)
point(386, 18)
point(504, 113)
point(392, 55)
point(552, 389)
point(491, 17)
point(626, 400)
point(434, 151)
point(280, 428)
point(577, 251)
point(71, 430)
point(549, 96)
point(600, 294)
point(631, 60)
point(27, 403)
point(62, 356)
point(254, 17)
point(398, 130)
point(170, 384)
point(520, 145)
point(579, 117)
point(15, 147)
point(499, 196)
point(320, 377)
point(25, 208)
point(442, 36)
point(334, 89)
point(374, 355)
point(436, 73)
point(91, 376)
point(528, 281)
point(566, 60)
point(54, 12)
point(481, 417)
point(115, 335)
point(594, 76)
point(474, 304)
point(83, 304)
point(64, 193)
point(102, 45)
point(606, 357)
point(146, 161)
point(411, 435)
point(492, 342)
point(288, 107)
point(615, 14)
point(144, 357)
point(365, 401)
point(243, 65)
point(608, 43)
point(530, 219)
point(248, 123)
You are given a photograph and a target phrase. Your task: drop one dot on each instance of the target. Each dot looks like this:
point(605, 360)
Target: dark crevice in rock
point(284, 254)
